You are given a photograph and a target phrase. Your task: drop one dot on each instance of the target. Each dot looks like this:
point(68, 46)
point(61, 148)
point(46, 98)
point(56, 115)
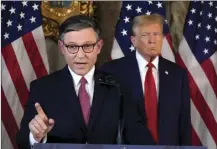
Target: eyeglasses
point(87, 48)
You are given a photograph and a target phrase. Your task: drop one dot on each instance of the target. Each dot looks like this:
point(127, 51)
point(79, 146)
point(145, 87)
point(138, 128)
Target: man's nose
point(80, 53)
point(152, 39)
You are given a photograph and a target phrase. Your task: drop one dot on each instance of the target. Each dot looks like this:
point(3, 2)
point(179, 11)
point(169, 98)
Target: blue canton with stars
point(129, 10)
point(18, 18)
point(201, 29)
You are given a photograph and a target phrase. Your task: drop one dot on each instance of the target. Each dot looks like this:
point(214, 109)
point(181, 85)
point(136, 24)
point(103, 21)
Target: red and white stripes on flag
point(24, 60)
point(203, 93)
point(198, 55)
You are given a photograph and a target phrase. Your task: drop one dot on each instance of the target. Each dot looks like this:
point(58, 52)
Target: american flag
point(23, 59)
point(198, 55)
point(122, 45)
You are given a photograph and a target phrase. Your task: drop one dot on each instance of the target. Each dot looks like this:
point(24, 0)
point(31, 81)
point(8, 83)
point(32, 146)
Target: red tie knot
point(150, 65)
point(83, 81)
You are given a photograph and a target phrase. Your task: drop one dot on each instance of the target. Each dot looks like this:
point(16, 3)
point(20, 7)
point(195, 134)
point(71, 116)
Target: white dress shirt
point(143, 70)
point(76, 81)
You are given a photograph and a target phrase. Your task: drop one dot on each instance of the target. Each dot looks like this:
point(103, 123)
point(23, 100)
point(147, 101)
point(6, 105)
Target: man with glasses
point(76, 104)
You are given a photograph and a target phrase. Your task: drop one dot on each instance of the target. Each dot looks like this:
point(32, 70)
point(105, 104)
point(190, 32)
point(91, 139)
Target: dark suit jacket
point(173, 102)
point(57, 96)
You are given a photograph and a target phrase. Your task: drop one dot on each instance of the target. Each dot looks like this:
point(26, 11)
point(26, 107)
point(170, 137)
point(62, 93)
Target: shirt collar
point(142, 62)
point(76, 78)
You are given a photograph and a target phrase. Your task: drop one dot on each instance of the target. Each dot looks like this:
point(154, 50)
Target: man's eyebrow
point(145, 33)
point(87, 42)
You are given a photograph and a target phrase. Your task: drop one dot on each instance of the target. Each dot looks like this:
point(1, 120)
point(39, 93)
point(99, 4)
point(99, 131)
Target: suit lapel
point(164, 92)
point(71, 98)
point(98, 99)
point(136, 83)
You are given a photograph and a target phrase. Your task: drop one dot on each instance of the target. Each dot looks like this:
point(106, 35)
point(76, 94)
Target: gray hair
point(79, 22)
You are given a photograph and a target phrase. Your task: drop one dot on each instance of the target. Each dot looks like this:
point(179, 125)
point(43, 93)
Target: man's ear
point(133, 40)
point(61, 46)
point(99, 45)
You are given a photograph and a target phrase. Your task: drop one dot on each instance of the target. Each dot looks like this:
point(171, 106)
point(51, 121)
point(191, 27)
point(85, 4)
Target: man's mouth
point(151, 49)
point(80, 64)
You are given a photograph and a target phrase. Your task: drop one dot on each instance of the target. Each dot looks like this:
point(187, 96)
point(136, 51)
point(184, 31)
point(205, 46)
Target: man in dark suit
point(159, 88)
point(76, 104)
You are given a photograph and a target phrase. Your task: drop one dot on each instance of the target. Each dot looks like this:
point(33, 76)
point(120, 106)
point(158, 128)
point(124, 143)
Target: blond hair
point(146, 20)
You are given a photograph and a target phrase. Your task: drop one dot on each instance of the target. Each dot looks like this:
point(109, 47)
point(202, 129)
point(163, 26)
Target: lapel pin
point(166, 72)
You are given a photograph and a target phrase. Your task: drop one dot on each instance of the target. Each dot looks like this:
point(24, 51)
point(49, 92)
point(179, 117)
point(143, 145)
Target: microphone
point(108, 80)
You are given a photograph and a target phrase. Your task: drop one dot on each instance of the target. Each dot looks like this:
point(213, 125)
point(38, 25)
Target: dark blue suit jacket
point(56, 95)
point(174, 121)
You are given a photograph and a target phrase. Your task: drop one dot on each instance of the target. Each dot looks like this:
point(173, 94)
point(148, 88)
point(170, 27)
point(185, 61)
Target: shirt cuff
point(33, 141)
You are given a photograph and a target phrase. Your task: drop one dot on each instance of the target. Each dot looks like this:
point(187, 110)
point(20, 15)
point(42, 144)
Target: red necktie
point(84, 100)
point(151, 102)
